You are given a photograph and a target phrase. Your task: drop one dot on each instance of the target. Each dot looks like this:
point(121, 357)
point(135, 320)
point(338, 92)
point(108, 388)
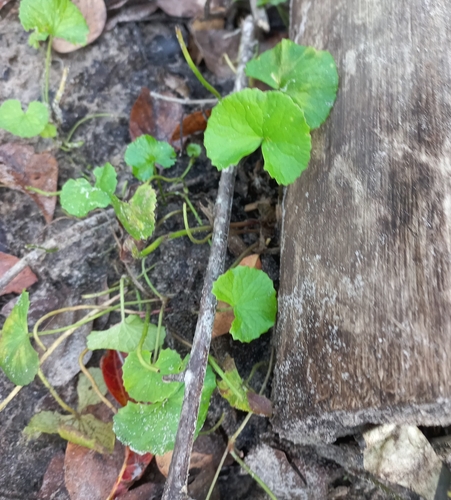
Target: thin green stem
point(100, 294)
point(256, 478)
point(10, 397)
point(147, 279)
point(193, 67)
point(85, 119)
point(52, 391)
point(193, 210)
point(48, 60)
point(157, 339)
point(188, 168)
point(167, 216)
point(187, 228)
point(121, 288)
point(215, 427)
point(254, 370)
point(139, 353)
point(41, 192)
point(172, 236)
point(224, 377)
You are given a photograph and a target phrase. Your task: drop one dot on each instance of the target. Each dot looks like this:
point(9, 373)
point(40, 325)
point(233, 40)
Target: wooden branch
point(60, 241)
point(364, 326)
point(176, 483)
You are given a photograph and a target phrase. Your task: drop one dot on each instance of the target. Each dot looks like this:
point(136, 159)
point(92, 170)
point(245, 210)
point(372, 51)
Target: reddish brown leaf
point(22, 281)
point(111, 365)
point(53, 483)
point(94, 12)
point(260, 405)
point(133, 468)
point(155, 117)
point(195, 122)
point(20, 167)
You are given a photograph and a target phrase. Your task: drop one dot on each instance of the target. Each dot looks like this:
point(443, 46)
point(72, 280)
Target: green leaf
point(251, 294)
point(262, 3)
point(193, 150)
point(153, 427)
point(85, 430)
point(307, 75)
point(78, 197)
point(86, 394)
point(125, 336)
point(28, 124)
point(138, 215)
point(18, 359)
point(57, 18)
point(145, 152)
point(49, 131)
point(243, 121)
point(147, 386)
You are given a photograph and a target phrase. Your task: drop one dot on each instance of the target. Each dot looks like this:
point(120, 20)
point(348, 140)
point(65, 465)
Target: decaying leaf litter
point(108, 77)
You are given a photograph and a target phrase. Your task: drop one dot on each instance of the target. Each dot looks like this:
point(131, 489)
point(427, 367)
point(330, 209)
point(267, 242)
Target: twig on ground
point(61, 241)
point(176, 483)
point(190, 102)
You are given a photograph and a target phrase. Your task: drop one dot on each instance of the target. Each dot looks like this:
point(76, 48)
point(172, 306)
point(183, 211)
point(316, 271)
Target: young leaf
point(307, 75)
point(78, 197)
point(144, 152)
point(28, 124)
point(153, 427)
point(86, 394)
point(149, 387)
point(251, 294)
point(57, 18)
point(19, 360)
point(125, 336)
point(243, 121)
point(49, 131)
point(138, 215)
point(85, 430)
point(193, 150)
point(111, 365)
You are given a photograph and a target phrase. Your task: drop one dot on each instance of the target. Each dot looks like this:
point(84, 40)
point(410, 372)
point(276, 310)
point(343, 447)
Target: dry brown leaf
point(22, 281)
point(130, 14)
point(195, 122)
point(182, 8)
point(20, 167)
point(197, 461)
point(53, 483)
point(154, 117)
point(213, 44)
point(94, 12)
point(224, 319)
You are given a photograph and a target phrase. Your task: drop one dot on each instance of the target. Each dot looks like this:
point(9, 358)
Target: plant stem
point(139, 352)
point(121, 288)
point(52, 391)
point(253, 475)
point(93, 382)
point(224, 377)
point(85, 119)
point(48, 60)
point(193, 67)
point(10, 397)
point(157, 339)
point(42, 193)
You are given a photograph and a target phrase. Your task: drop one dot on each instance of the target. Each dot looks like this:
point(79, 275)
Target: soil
point(107, 77)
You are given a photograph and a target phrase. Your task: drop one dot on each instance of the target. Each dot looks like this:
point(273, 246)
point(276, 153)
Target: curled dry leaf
point(155, 117)
point(195, 122)
point(22, 281)
point(224, 316)
point(185, 8)
point(20, 167)
point(94, 12)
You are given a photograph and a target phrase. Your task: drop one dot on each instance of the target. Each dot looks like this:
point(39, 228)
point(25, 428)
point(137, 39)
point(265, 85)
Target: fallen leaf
point(130, 13)
point(94, 12)
point(53, 482)
point(154, 117)
point(177, 84)
point(186, 8)
point(195, 122)
point(20, 167)
point(213, 44)
point(111, 365)
point(3, 3)
point(22, 281)
point(132, 470)
point(224, 319)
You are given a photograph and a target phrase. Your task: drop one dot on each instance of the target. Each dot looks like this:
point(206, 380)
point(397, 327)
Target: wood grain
point(364, 327)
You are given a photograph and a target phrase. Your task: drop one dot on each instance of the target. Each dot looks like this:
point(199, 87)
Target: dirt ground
point(107, 77)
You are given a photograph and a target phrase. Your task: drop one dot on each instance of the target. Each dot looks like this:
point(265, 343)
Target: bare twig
point(261, 18)
point(61, 241)
point(191, 102)
point(176, 483)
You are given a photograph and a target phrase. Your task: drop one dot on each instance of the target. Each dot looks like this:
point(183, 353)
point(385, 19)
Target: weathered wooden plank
point(364, 328)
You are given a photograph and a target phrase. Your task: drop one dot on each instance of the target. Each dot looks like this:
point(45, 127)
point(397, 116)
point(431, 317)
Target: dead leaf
point(185, 8)
point(132, 470)
point(177, 84)
point(195, 122)
point(3, 3)
point(22, 281)
point(224, 319)
point(260, 405)
point(154, 117)
point(20, 167)
point(53, 483)
point(94, 12)
point(213, 44)
point(197, 461)
point(130, 14)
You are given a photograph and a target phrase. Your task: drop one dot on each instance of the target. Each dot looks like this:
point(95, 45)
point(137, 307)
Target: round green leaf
point(243, 121)
point(57, 18)
point(307, 75)
point(18, 359)
point(149, 387)
point(28, 124)
point(251, 294)
point(106, 178)
point(78, 197)
point(145, 152)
